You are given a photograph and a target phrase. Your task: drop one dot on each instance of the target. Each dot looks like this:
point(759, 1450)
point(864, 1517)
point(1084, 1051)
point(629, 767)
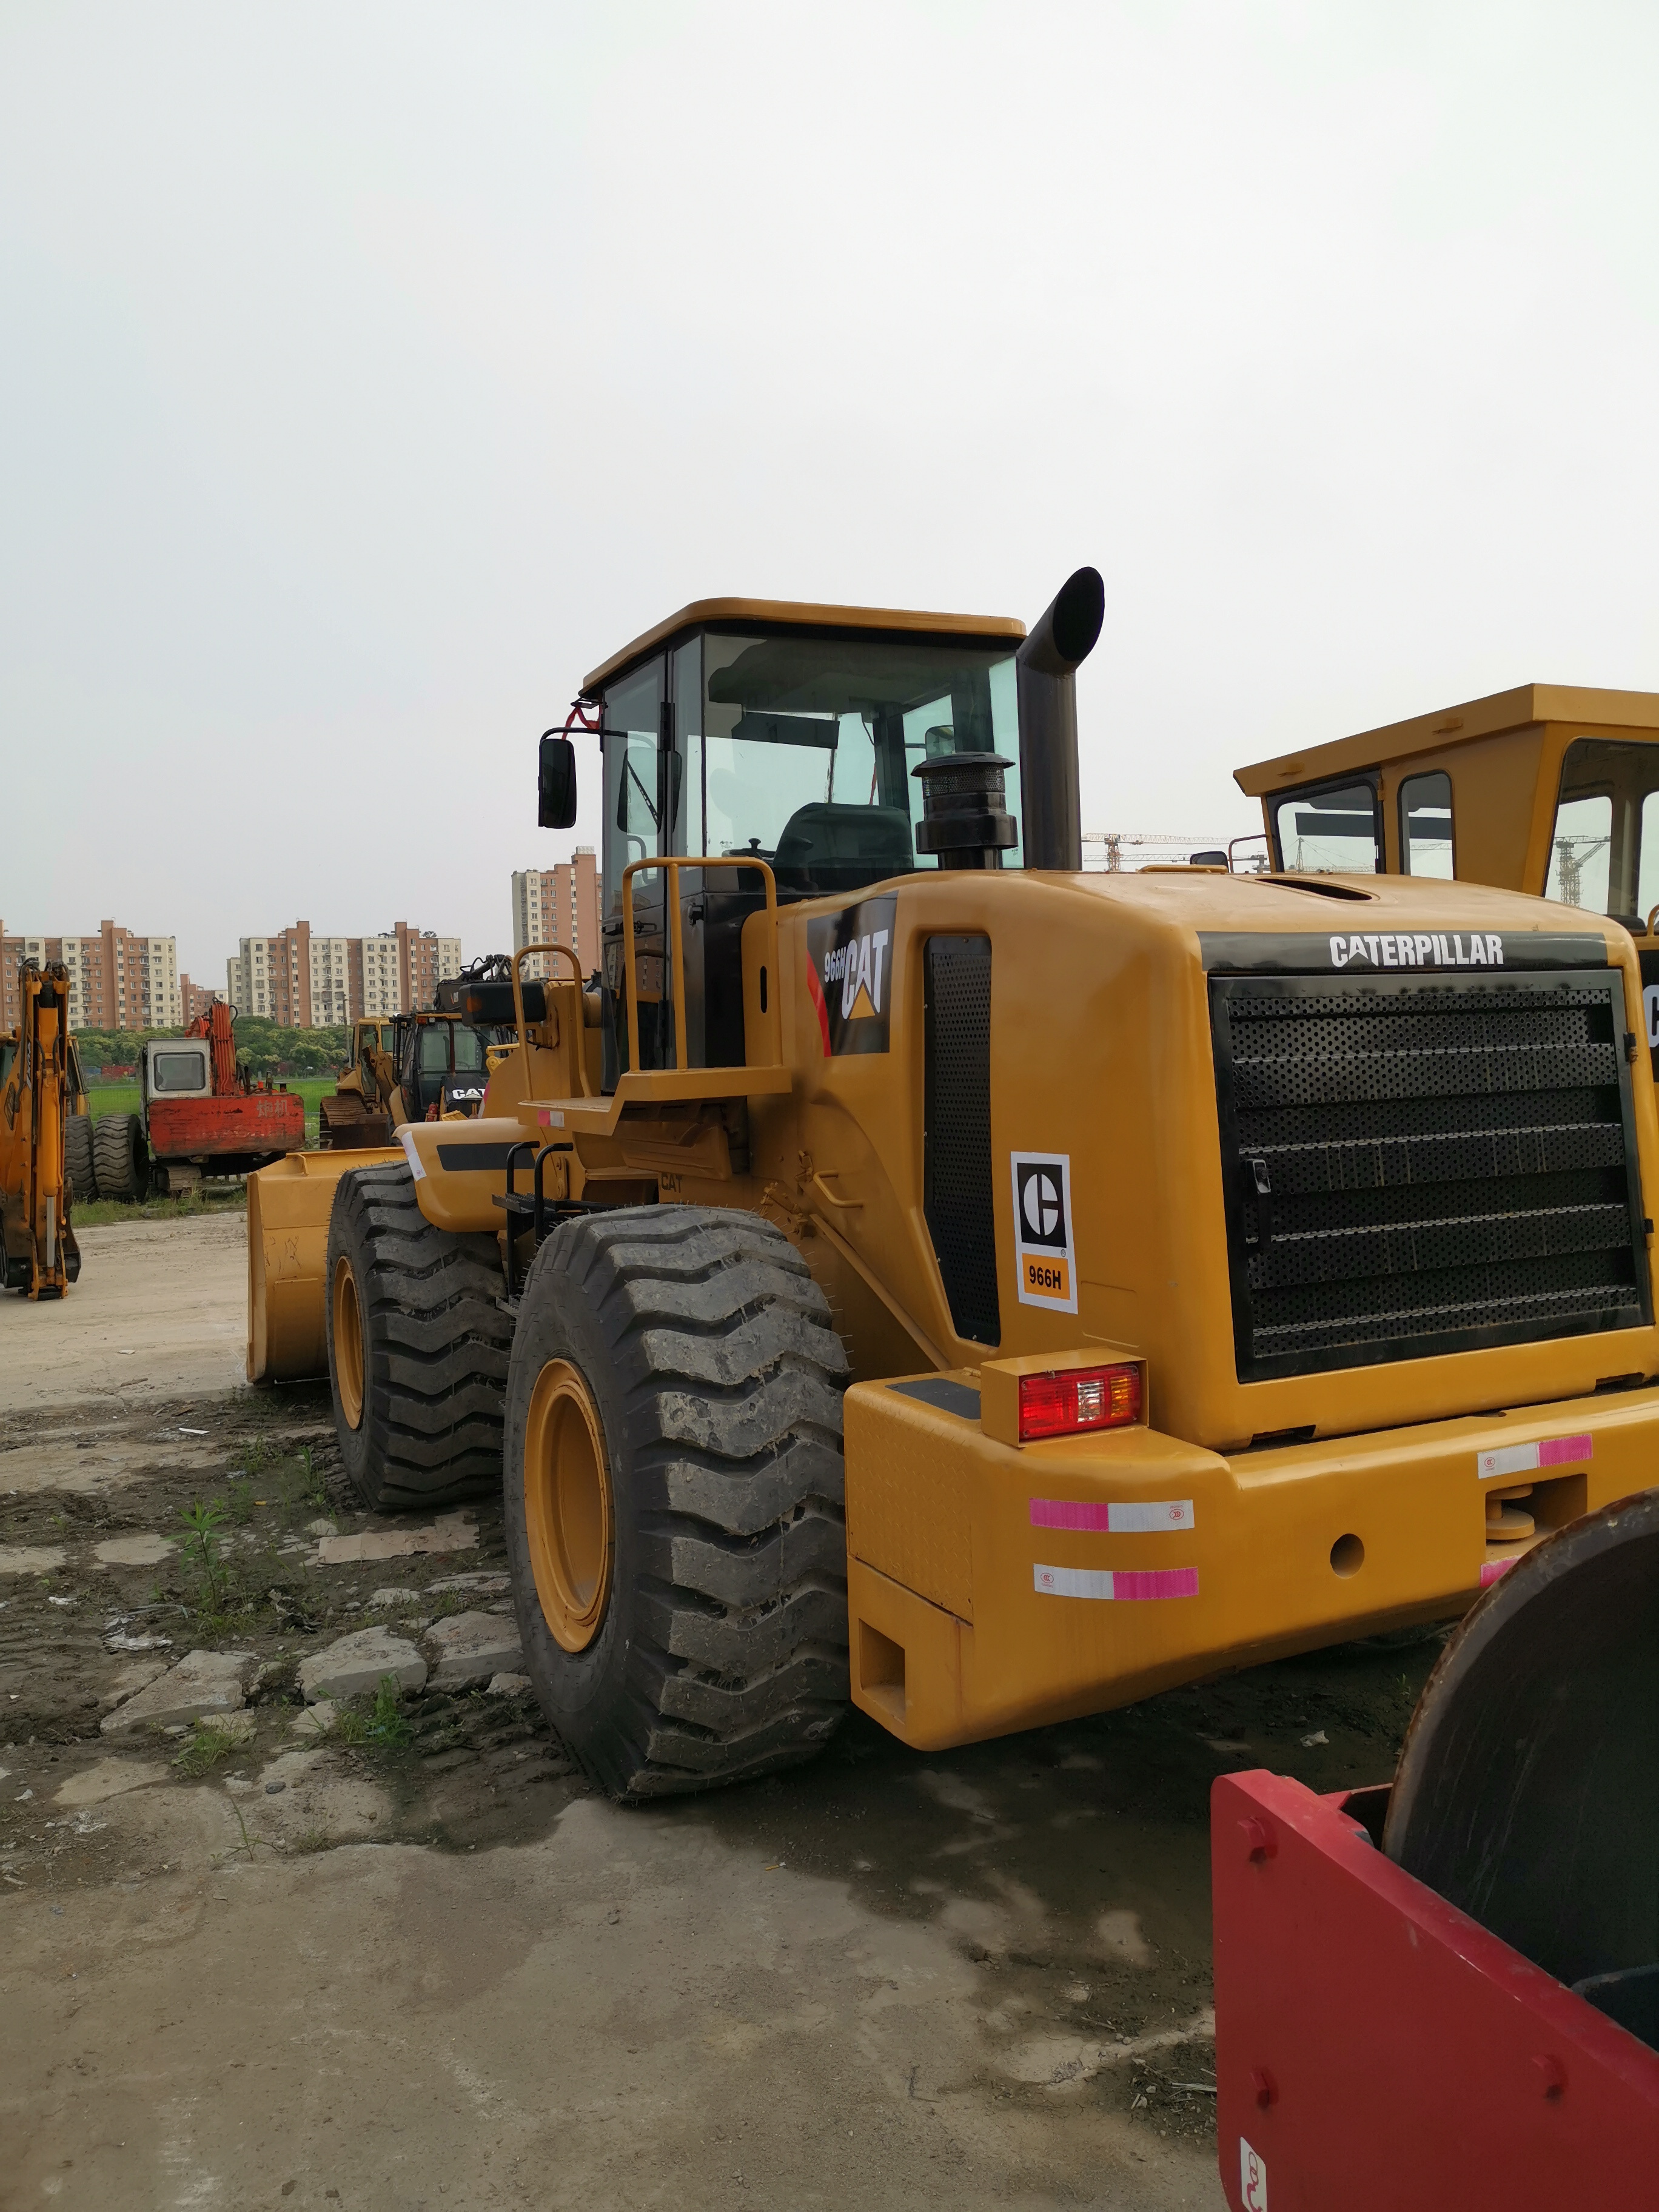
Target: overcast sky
point(368, 374)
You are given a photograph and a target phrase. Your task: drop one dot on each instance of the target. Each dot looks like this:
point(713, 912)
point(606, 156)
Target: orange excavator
point(39, 1090)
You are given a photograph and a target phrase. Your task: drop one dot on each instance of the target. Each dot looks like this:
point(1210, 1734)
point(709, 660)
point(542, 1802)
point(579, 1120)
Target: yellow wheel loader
point(924, 1273)
point(1549, 788)
point(409, 1067)
point(43, 1130)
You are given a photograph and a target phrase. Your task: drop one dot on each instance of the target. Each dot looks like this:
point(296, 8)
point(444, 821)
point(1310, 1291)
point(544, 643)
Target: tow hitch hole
point(1348, 1555)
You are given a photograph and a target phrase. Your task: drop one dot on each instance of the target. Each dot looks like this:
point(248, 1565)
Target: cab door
point(641, 789)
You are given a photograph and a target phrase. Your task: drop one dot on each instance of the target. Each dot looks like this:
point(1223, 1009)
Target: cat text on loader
point(40, 1087)
point(923, 1273)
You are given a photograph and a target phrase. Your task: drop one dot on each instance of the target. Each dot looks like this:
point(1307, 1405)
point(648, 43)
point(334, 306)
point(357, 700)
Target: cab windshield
point(799, 750)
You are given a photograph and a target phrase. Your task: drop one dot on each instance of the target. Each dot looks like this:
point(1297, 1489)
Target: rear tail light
point(1076, 1400)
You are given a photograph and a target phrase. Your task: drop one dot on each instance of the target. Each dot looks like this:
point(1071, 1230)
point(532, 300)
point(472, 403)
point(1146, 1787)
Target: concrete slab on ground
point(161, 1311)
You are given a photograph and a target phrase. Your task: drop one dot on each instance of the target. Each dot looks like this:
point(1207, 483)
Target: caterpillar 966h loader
point(922, 1272)
point(39, 1095)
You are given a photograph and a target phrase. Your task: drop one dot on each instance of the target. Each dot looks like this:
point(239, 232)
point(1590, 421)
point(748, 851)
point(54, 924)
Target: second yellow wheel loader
point(925, 1274)
point(1550, 788)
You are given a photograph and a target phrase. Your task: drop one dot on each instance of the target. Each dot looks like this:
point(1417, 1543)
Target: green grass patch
point(383, 1726)
point(206, 1747)
point(104, 1212)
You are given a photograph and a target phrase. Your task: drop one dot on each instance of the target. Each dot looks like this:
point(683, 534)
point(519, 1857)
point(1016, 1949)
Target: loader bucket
point(287, 1209)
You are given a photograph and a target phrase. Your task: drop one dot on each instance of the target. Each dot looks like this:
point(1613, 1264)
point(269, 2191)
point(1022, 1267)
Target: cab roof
point(1479, 717)
point(805, 614)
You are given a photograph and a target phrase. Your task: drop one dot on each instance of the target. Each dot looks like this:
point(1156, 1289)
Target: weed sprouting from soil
point(312, 1839)
point(206, 1747)
point(383, 1725)
point(315, 1484)
point(248, 1842)
point(200, 1544)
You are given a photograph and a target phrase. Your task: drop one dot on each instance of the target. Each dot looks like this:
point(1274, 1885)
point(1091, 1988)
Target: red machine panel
point(1376, 2050)
point(270, 1121)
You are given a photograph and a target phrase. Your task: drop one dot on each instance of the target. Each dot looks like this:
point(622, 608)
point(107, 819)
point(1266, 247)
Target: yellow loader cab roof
point(802, 615)
point(1528, 703)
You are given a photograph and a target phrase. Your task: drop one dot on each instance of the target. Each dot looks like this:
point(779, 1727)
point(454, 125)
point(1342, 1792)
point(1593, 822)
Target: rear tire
point(689, 1348)
point(417, 1347)
point(77, 1158)
point(120, 1159)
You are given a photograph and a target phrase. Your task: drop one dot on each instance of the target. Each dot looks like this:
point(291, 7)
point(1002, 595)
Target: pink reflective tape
point(1069, 1513)
point(1492, 1568)
point(1522, 1459)
point(1109, 1583)
point(1143, 1516)
point(1555, 1449)
point(1156, 1582)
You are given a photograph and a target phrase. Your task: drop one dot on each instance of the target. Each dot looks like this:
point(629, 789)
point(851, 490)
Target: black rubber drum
point(1528, 1791)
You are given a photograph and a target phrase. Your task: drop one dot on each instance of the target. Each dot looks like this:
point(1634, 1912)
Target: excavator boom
point(38, 1254)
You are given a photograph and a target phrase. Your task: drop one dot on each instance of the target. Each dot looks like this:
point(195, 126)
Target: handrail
point(524, 953)
point(673, 863)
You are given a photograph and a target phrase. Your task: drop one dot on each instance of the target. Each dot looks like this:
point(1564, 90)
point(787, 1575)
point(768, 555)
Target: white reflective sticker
point(1650, 1008)
point(1252, 2179)
point(1151, 1515)
point(1521, 1459)
point(406, 1139)
point(1073, 1582)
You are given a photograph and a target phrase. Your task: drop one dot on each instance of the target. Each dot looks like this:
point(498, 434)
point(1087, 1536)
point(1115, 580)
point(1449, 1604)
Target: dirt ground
point(418, 1962)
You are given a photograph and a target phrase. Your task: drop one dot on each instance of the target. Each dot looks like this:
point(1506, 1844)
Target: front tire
point(417, 1347)
point(77, 1158)
point(674, 1499)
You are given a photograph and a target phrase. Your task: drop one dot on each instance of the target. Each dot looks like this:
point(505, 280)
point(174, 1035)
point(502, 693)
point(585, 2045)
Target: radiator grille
point(1416, 1170)
point(957, 1114)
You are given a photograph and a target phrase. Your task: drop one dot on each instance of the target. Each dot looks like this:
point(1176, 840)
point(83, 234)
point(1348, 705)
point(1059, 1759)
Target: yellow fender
point(289, 1207)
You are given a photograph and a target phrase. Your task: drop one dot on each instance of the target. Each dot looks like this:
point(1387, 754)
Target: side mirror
point(555, 783)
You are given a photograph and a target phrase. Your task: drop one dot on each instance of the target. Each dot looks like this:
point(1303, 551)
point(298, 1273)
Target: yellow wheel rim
point(347, 1342)
point(567, 1506)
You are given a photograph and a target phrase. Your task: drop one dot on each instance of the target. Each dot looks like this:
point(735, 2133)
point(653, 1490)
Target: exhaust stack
point(1050, 805)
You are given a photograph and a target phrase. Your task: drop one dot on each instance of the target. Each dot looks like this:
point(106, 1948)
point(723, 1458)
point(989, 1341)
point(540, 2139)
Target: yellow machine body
point(1256, 1506)
point(39, 1089)
point(1101, 1060)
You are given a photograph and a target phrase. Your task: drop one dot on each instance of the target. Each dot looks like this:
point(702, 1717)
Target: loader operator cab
point(792, 735)
point(440, 1065)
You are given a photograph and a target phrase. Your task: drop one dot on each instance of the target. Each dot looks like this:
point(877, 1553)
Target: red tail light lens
point(1076, 1400)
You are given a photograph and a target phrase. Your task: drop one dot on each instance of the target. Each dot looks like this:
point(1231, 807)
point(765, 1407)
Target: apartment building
point(118, 980)
point(304, 981)
point(195, 998)
point(558, 906)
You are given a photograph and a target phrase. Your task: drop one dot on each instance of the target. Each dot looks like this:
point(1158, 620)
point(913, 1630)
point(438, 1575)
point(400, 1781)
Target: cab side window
point(1426, 826)
point(1604, 853)
point(1336, 829)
